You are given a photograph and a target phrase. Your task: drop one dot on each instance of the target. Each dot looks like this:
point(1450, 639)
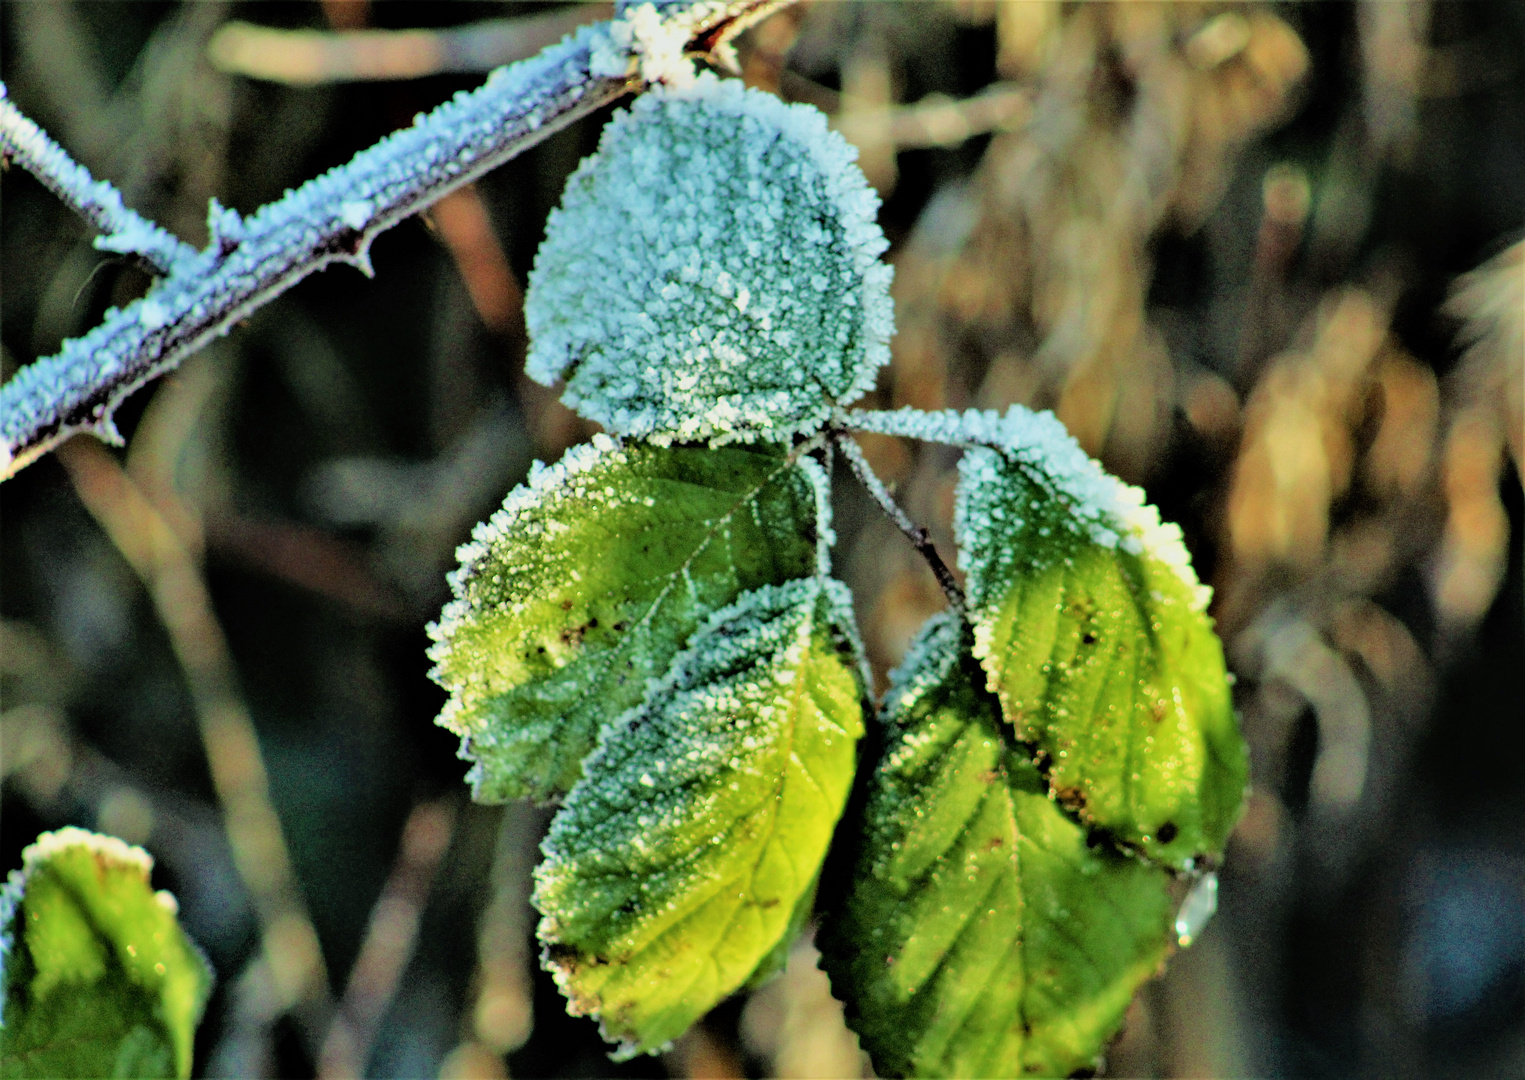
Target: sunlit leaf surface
point(99, 979)
point(684, 856)
point(1092, 630)
point(587, 583)
point(982, 936)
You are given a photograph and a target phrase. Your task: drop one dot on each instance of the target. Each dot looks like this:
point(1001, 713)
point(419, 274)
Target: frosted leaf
point(690, 849)
point(1110, 512)
point(98, 978)
point(588, 581)
point(981, 934)
point(713, 272)
point(1090, 626)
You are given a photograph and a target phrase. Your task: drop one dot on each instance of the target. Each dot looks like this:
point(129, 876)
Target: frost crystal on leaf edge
point(1113, 514)
point(685, 304)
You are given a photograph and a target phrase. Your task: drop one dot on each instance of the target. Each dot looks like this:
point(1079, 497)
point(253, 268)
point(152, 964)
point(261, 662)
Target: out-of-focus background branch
point(1264, 260)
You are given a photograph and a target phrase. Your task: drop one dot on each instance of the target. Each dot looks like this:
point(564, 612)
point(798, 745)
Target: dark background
point(1210, 237)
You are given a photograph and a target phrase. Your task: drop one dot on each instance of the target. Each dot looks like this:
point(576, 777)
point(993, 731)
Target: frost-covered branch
point(96, 201)
point(335, 217)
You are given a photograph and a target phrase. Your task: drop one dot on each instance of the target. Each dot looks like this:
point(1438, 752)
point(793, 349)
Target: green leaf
point(713, 272)
point(688, 851)
point(1092, 628)
point(982, 935)
point(99, 979)
point(584, 586)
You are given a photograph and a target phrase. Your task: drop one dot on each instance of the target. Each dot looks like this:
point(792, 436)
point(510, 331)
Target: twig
point(938, 120)
point(311, 57)
point(335, 217)
point(179, 593)
point(96, 201)
point(913, 532)
point(389, 940)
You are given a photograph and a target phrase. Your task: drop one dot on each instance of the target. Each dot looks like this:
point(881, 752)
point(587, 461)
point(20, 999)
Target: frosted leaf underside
point(981, 935)
point(1101, 655)
point(688, 851)
point(590, 579)
point(713, 272)
point(98, 978)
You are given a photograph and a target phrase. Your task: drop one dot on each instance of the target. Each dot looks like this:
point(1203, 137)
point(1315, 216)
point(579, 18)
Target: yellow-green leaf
point(1092, 629)
point(99, 979)
point(690, 849)
point(585, 585)
point(982, 935)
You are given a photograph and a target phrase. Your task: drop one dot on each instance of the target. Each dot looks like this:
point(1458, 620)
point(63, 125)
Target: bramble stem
point(915, 533)
point(334, 217)
point(97, 201)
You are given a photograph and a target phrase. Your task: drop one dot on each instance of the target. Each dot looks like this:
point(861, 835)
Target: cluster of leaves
point(98, 977)
point(649, 632)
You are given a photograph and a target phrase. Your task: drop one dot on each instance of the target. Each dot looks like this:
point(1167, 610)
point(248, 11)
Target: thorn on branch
point(332, 218)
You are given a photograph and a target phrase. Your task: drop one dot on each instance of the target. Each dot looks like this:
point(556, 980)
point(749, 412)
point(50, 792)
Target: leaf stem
point(915, 533)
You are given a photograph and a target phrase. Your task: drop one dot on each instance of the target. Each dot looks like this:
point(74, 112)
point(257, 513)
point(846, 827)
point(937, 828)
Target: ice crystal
point(638, 39)
point(713, 272)
point(1108, 511)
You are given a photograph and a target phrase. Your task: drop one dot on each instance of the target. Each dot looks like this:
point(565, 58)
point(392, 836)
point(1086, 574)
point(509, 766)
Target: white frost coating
point(640, 40)
point(713, 272)
point(107, 848)
point(355, 212)
point(10, 899)
point(932, 654)
point(97, 201)
point(152, 315)
point(1112, 513)
point(825, 535)
point(506, 521)
point(251, 260)
point(1197, 910)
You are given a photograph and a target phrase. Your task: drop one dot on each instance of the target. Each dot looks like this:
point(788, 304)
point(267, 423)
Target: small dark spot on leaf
point(593, 624)
point(566, 605)
point(621, 625)
point(1167, 832)
point(1089, 637)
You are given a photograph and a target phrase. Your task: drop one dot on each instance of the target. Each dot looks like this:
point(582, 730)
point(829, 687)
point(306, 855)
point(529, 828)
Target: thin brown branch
point(389, 940)
point(179, 592)
point(915, 533)
point(312, 57)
